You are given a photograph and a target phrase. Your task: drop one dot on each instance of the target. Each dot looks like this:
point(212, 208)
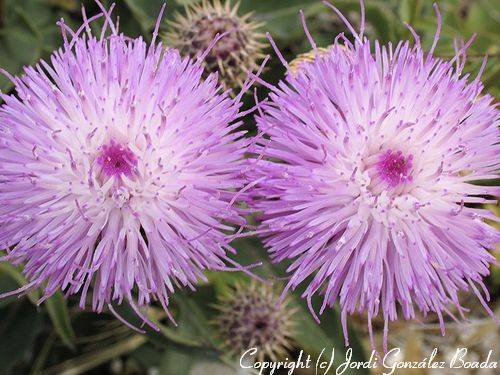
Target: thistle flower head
point(365, 178)
point(236, 54)
point(119, 169)
point(252, 316)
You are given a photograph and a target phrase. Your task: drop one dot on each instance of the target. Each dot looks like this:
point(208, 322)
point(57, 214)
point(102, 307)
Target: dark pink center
point(116, 159)
point(394, 168)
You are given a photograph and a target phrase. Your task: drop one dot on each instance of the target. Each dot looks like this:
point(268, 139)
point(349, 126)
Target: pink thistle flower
point(119, 169)
point(365, 162)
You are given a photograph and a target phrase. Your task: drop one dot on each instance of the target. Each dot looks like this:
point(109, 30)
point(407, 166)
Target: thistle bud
point(234, 55)
point(251, 316)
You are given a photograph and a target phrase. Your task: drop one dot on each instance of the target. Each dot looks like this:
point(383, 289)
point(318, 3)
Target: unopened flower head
point(252, 316)
point(365, 178)
point(119, 170)
point(305, 58)
point(236, 54)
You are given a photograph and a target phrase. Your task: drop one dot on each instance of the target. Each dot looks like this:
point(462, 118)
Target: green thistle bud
point(234, 55)
point(250, 315)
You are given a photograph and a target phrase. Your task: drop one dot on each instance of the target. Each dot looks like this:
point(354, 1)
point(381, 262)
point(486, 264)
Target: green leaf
point(58, 311)
point(174, 334)
point(175, 361)
point(43, 354)
point(15, 274)
point(18, 47)
point(194, 317)
point(89, 361)
point(181, 360)
point(148, 355)
point(145, 12)
point(316, 338)
point(184, 334)
point(6, 285)
point(37, 12)
point(408, 10)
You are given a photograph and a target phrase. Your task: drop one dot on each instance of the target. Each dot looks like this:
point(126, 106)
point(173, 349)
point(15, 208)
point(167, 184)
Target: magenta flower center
point(116, 159)
point(394, 168)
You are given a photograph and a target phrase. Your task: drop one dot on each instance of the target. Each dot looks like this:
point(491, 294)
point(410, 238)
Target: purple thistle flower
point(119, 170)
point(363, 174)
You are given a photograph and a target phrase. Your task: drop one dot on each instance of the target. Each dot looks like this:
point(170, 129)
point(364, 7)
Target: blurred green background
point(57, 337)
